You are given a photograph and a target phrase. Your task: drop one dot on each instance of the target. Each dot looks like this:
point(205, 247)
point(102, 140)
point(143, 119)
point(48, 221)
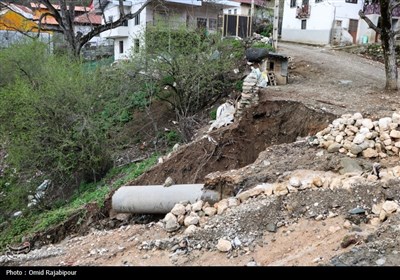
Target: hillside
point(311, 206)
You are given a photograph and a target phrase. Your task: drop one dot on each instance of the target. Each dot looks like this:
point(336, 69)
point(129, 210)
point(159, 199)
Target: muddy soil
point(238, 145)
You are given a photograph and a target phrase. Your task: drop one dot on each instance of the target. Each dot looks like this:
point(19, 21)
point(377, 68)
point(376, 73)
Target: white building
point(373, 12)
point(260, 8)
point(321, 21)
point(192, 13)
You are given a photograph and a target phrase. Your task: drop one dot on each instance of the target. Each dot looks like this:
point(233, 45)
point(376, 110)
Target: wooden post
point(275, 24)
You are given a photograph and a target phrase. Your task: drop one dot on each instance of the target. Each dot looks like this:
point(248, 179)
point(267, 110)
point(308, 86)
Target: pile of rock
point(196, 215)
point(354, 135)
point(249, 95)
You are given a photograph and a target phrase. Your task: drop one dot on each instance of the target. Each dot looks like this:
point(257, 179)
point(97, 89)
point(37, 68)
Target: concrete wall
point(317, 37)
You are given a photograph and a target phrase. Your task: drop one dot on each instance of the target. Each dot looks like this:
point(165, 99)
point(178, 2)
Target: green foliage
point(23, 62)
point(122, 94)
point(234, 47)
point(267, 30)
point(239, 85)
point(48, 118)
point(32, 222)
point(213, 114)
point(181, 62)
point(172, 137)
point(262, 45)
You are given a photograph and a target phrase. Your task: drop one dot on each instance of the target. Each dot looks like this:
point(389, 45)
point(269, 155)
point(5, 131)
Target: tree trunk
point(388, 45)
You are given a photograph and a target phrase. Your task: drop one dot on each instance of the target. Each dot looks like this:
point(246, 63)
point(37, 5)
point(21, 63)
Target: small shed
point(278, 64)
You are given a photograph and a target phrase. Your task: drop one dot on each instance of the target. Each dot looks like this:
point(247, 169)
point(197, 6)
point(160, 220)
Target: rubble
point(355, 136)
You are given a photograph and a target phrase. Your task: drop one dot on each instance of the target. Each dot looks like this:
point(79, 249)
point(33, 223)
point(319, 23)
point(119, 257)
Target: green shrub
point(213, 114)
point(172, 137)
point(267, 30)
point(48, 120)
point(239, 85)
point(262, 45)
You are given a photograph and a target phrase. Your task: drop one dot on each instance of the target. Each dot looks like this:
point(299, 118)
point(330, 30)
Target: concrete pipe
point(156, 199)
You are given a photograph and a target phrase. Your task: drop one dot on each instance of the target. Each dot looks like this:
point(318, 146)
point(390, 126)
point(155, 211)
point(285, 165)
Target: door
point(353, 25)
point(243, 27)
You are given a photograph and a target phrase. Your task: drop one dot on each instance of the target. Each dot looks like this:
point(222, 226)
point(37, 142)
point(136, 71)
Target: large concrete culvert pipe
point(157, 199)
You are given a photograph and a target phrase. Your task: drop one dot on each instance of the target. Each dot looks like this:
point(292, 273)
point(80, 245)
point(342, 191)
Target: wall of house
point(243, 10)
point(320, 22)
point(12, 27)
point(347, 10)
point(177, 13)
point(318, 25)
point(364, 30)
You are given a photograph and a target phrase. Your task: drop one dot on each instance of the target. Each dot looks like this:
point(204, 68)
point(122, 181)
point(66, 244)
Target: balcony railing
point(376, 9)
point(118, 32)
point(168, 23)
point(177, 24)
point(303, 12)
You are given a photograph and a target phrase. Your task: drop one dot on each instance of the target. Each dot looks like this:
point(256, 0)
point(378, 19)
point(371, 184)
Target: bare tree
point(387, 32)
point(64, 15)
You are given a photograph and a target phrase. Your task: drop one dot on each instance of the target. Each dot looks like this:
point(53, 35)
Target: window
point(292, 3)
point(137, 45)
point(201, 23)
point(125, 23)
point(338, 23)
point(212, 23)
point(318, 1)
point(304, 24)
point(110, 18)
point(121, 46)
point(137, 19)
point(351, 1)
point(220, 21)
point(271, 66)
point(229, 11)
point(234, 11)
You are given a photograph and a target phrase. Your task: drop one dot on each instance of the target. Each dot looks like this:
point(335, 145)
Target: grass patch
point(35, 221)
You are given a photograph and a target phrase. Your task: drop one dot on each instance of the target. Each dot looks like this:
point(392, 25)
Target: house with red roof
point(17, 22)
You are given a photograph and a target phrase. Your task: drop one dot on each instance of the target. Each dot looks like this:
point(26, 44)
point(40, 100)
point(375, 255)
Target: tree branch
point(48, 27)
point(394, 6)
point(369, 22)
point(53, 11)
point(111, 25)
point(121, 8)
point(397, 32)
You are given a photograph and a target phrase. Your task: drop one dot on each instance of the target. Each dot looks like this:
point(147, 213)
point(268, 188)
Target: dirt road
point(336, 81)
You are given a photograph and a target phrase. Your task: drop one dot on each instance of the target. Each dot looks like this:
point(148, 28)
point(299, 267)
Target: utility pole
point(251, 17)
point(275, 24)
